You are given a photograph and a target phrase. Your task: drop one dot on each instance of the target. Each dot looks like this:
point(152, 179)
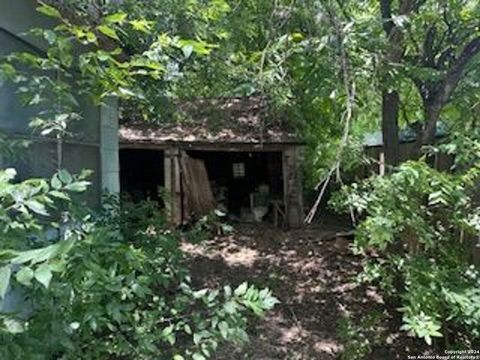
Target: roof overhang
point(210, 146)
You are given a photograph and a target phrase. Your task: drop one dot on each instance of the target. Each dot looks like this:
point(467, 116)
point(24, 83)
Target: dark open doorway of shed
point(142, 174)
point(257, 168)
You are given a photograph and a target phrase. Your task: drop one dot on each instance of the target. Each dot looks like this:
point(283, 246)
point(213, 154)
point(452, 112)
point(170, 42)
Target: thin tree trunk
point(390, 110)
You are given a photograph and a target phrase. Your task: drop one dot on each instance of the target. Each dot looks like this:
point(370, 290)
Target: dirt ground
point(313, 278)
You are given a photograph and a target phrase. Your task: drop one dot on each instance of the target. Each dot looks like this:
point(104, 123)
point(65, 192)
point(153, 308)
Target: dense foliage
point(421, 225)
point(311, 60)
point(334, 71)
point(86, 63)
point(107, 285)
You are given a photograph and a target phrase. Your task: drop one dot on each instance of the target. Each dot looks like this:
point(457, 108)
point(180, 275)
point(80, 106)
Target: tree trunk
point(391, 144)
point(427, 135)
point(391, 98)
point(432, 115)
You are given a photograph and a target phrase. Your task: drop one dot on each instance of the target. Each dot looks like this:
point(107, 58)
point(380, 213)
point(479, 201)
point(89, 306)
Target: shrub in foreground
point(117, 294)
point(420, 224)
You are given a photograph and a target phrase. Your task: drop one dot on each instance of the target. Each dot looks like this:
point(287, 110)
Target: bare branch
point(454, 75)
point(347, 117)
point(314, 209)
point(440, 93)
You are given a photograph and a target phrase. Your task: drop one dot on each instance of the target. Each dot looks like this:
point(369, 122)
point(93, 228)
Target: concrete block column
point(109, 150)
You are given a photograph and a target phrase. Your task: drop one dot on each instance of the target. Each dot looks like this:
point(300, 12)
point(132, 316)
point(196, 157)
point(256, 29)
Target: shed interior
point(142, 174)
point(238, 178)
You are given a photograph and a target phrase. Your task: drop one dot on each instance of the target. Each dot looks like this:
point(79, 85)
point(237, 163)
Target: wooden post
point(381, 165)
point(292, 186)
point(172, 186)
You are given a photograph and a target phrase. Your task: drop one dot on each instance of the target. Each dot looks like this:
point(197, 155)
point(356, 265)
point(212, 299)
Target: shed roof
point(208, 121)
point(406, 135)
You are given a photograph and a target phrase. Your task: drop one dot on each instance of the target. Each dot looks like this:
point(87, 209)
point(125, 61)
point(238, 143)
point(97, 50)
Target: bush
point(121, 291)
point(422, 224)
point(360, 338)
point(208, 226)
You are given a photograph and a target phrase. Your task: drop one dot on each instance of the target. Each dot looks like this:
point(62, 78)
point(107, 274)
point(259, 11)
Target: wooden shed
point(219, 154)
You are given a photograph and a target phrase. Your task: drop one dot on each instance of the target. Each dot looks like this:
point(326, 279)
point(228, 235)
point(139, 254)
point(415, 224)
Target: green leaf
point(198, 356)
point(36, 207)
point(14, 326)
point(167, 331)
point(44, 275)
point(116, 18)
point(60, 195)
point(230, 307)
point(125, 92)
point(197, 46)
point(197, 338)
point(269, 302)
point(6, 255)
point(91, 37)
point(75, 325)
point(200, 293)
point(5, 273)
point(78, 186)
point(57, 266)
point(55, 182)
point(25, 276)
point(141, 25)
point(108, 31)
point(50, 36)
point(223, 327)
point(7, 175)
point(428, 340)
point(49, 11)
point(241, 290)
point(37, 255)
point(65, 176)
point(187, 51)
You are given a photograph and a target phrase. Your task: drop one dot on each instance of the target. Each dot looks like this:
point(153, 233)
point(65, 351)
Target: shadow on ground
point(313, 279)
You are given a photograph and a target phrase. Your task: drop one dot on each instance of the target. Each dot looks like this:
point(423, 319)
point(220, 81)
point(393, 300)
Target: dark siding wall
point(80, 152)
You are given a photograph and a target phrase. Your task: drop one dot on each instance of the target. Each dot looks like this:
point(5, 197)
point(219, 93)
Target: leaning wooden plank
point(197, 190)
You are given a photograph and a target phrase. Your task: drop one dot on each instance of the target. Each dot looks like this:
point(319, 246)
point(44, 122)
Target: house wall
point(95, 143)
